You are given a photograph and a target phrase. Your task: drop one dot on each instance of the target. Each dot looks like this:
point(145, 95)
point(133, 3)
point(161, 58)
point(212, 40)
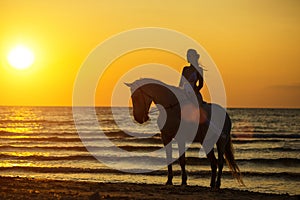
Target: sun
point(20, 57)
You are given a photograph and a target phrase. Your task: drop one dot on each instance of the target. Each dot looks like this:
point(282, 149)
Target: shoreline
point(31, 188)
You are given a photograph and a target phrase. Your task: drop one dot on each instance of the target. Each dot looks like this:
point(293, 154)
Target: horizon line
point(106, 106)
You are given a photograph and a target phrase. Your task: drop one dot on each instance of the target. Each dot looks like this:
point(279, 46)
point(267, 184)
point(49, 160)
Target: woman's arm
point(200, 82)
point(182, 78)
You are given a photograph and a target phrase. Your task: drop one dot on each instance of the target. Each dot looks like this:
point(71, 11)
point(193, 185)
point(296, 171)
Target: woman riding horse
point(172, 126)
point(191, 75)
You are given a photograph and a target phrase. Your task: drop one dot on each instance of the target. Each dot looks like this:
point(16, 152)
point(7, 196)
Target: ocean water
point(43, 142)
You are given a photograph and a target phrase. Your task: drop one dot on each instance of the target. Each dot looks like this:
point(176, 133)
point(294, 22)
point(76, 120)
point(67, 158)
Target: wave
point(200, 173)
point(110, 134)
point(264, 140)
point(82, 148)
point(53, 139)
point(130, 148)
point(260, 161)
point(152, 140)
point(39, 121)
point(265, 135)
point(45, 158)
point(125, 159)
point(263, 150)
point(207, 173)
point(153, 159)
point(122, 134)
point(39, 134)
point(54, 148)
point(135, 137)
point(278, 161)
point(48, 139)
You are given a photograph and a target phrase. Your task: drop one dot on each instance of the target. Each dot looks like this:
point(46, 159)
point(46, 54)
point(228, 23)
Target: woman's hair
point(192, 56)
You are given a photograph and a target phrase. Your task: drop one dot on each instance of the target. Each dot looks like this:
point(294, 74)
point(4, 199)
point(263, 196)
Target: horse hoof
point(169, 183)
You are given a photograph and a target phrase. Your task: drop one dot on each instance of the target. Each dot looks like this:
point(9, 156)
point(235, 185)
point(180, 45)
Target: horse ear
point(128, 84)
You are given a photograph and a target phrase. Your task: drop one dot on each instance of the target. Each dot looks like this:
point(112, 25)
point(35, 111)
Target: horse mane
point(144, 81)
point(180, 93)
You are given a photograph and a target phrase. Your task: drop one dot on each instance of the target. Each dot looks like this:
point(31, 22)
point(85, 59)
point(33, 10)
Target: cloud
point(294, 86)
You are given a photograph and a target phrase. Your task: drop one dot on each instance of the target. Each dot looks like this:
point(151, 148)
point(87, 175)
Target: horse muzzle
point(142, 120)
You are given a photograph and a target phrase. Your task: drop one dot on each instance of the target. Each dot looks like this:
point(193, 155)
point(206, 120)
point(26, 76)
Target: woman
point(191, 75)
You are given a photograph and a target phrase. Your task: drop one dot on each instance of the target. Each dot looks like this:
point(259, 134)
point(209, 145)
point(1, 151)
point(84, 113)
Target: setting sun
point(20, 57)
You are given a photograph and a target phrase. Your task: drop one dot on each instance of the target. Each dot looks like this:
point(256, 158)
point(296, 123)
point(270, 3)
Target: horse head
point(141, 102)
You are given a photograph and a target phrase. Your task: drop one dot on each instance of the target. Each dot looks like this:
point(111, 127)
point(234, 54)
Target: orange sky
point(255, 45)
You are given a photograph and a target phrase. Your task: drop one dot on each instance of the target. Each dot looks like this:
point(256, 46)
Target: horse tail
point(229, 156)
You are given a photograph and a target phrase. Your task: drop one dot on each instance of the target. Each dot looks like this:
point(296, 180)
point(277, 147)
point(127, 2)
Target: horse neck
point(160, 94)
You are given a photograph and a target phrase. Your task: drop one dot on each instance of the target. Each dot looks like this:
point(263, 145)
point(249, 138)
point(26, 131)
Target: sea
point(46, 143)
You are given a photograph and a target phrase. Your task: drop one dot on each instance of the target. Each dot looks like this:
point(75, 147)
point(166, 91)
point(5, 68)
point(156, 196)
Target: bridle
point(146, 112)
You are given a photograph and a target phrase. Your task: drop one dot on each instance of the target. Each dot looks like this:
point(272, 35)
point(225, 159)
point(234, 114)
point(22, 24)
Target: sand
point(29, 188)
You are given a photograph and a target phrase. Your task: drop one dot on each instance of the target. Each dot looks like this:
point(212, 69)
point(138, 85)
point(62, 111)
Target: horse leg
point(213, 163)
point(223, 139)
point(182, 162)
point(220, 167)
point(168, 147)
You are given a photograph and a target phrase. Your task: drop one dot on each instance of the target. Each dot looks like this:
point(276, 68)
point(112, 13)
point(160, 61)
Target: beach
point(67, 161)
point(30, 188)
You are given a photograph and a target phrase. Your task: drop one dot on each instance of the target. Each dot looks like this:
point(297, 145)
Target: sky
point(255, 45)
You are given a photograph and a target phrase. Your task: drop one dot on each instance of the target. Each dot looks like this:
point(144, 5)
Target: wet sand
point(29, 188)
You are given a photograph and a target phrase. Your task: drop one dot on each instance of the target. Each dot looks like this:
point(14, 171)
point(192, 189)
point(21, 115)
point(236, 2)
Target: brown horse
point(175, 121)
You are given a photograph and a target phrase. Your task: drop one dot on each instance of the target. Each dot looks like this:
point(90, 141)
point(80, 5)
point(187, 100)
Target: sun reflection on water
point(20, 120)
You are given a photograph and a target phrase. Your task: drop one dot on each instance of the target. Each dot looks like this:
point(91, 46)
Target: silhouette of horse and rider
point(174, 124)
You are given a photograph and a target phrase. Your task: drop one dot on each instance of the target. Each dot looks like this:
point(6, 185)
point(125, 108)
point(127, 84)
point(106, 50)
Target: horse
point(171, 117)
